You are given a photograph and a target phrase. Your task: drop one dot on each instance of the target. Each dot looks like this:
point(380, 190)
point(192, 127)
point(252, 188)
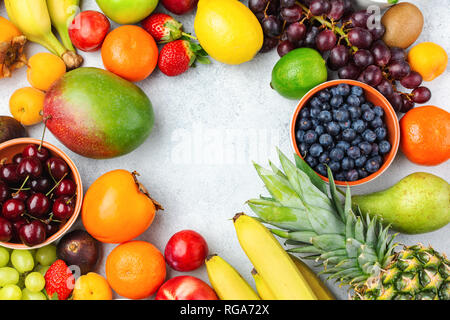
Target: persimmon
point(117, 208)
point(12, 44)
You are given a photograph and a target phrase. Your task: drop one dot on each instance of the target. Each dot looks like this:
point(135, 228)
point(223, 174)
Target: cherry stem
point(21, 187)
point(30, 216)
point(50, 172)
point(71, 198)
point(24, 189)
point(50, 219)
point(57, 184)
point(43, 133)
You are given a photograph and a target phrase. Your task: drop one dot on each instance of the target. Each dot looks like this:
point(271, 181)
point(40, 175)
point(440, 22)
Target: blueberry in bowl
point(348, 127)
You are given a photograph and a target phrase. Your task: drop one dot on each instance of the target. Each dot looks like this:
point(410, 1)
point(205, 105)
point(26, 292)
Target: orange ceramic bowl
point(8, 149)
point(377, 99)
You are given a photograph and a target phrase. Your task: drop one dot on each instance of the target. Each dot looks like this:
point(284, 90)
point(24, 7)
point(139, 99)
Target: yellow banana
point(31, 17)
point(227, 282)
point(62, 13)
point(317, 285)
point(271, 261)
point(261, 286)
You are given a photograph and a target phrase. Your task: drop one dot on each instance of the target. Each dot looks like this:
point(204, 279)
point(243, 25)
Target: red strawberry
point(177, 56)
point(59, 280)
point(163, 27)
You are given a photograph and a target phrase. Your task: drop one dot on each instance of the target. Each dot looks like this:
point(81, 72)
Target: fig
point(10, 128)
point(79, 248)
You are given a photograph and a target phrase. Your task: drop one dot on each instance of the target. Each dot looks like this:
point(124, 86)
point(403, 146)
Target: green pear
point(418, 203)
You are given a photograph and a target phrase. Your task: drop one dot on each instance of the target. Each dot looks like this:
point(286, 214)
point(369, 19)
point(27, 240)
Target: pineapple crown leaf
point(292, 243)
point(328, 242)
point(276, 170)
point(305, 249)
point(359, 230)
point(335, 253)
point(279, 216)
point(321, 223)
point(335, 197)
point(315, 179)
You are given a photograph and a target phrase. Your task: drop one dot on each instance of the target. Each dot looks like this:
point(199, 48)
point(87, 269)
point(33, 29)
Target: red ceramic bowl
point(8, 149)
point(377, 99)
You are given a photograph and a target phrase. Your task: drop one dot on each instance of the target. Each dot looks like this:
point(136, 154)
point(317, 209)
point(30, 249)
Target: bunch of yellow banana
point(277, 275)
point(34, 18)
point(261, 286)
point(227, 282)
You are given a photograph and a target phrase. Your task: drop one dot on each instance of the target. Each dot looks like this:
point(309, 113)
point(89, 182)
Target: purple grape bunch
point(350, 44)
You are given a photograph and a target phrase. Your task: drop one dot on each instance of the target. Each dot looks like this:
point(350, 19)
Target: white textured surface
point(232, 117)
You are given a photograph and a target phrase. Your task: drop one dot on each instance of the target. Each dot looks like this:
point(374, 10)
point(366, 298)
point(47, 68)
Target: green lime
point(298, 72)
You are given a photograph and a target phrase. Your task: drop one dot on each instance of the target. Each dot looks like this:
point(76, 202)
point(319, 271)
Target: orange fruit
point(44, 68)
point(130, 52)
point(429, 59)
point(26, 105)
point(92, 286)
point(425, 135)
point(116, 209)
point(135, 269)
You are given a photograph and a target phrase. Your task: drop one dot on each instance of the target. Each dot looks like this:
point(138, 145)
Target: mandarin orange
point(135, 269)
point(130, 52)
point(425, 135)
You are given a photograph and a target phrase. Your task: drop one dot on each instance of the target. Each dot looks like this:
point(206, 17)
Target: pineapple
point(355, 250)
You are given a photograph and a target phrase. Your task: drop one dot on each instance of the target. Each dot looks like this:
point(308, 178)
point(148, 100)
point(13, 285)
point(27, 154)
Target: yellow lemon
point(228, 31)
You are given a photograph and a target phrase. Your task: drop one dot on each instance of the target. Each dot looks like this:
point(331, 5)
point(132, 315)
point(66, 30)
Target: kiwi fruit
point(403, 23)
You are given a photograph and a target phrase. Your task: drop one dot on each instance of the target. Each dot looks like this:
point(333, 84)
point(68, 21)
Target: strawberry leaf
point(173, 28)
point(203, 60)
point(199, 53)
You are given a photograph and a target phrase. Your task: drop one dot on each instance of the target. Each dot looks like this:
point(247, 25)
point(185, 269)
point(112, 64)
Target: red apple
point(88, 30)
point(185, 288)
point(179, 6)
point(186, 251)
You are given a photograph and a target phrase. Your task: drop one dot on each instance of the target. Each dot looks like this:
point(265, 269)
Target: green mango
point(418, 203)
point(97, 114)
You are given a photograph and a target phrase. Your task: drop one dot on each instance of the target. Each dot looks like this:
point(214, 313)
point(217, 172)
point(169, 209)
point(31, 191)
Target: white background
point(237, 102)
